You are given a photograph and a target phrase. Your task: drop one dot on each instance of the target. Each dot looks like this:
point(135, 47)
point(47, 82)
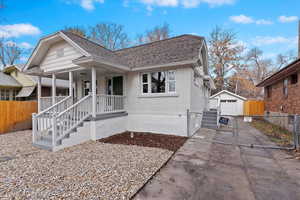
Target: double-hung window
point(4, 94)
point(158, 82)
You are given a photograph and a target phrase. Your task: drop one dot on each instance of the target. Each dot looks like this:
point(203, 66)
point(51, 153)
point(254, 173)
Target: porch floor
point(87, 171)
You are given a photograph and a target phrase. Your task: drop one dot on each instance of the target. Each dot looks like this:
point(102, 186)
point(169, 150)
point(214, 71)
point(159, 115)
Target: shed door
point(229, 107)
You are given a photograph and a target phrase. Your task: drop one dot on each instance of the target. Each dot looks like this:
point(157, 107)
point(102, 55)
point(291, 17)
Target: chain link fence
point(282, 130)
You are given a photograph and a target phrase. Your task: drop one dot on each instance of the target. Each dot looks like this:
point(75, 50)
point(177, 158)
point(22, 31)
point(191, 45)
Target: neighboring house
point(282, 95)
point(27, 85)
point(9, 87)
point(228, 103)
point(147, 88)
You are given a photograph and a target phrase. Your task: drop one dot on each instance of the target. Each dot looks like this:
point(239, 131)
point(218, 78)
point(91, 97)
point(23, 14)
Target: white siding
point(199, 95)
point(235, 108)
point(156, 114)
point(169, 105)
point(164, 114)
point(51, 62)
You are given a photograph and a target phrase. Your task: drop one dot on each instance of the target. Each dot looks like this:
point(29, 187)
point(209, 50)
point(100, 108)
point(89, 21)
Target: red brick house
point(282, 94)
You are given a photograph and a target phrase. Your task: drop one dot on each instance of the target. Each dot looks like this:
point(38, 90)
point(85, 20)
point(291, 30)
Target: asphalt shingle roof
point(8, 81)
point(176, 49)
point(94, 49)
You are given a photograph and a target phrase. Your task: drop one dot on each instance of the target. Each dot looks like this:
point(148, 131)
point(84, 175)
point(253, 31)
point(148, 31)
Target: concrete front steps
point(80, 135)
point(209, 119)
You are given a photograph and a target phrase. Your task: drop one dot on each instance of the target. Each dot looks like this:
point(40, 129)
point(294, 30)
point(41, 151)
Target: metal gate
point(273, 132)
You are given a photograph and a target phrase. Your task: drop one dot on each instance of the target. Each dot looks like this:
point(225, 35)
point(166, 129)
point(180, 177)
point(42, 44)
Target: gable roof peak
point(230, 93)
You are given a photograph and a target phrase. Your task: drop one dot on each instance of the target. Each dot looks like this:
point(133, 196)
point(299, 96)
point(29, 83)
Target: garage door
point(229, 107)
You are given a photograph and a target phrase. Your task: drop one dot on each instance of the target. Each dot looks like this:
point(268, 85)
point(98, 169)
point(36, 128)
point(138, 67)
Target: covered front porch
point(94, 92)
point(108, 89)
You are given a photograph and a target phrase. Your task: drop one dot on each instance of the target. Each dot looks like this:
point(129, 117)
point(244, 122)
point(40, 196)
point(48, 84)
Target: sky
point(271, 25)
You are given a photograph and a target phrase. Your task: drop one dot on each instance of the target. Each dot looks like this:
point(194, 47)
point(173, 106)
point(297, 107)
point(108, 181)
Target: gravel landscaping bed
point(16, 144)
point(92, 170)
point(169, 142)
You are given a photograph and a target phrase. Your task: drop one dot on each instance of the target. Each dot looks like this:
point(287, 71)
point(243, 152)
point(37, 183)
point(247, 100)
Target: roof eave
point(98, 60)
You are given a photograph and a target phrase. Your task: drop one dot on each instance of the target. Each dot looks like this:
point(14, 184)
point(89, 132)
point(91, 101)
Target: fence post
point(34, 127)
point(296, 131)
point(188, 122)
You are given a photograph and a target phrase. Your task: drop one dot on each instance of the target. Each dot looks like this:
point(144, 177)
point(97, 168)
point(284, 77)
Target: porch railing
point(46, 102)
point(42, 122)
point(110, 103)
point(69, 119)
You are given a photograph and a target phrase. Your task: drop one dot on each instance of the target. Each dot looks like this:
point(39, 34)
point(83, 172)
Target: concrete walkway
point(212, 171)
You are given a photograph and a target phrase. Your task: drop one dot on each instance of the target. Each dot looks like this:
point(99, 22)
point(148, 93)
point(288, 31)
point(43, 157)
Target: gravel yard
point(17, 144)
point(93, 170)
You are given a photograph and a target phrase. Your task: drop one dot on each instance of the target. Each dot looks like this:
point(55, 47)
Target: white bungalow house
point(146, 88)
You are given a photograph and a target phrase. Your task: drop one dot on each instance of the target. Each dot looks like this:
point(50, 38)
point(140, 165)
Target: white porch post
point(71, 84)
point(39, 93)
point(94, 77)
point(53, 88)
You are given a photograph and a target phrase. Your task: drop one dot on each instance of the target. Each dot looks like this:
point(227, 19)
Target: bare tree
point(255, 69)
point(10, 52)
point(224, 55)
point(155, 34)
point(78, 30)
point(109, 35)
point(284, 59)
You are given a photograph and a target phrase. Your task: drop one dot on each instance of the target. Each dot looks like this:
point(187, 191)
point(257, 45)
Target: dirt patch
point(169, 142)
point(276, 133)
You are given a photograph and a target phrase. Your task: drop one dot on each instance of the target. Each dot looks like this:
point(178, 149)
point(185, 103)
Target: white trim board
point(230, 93)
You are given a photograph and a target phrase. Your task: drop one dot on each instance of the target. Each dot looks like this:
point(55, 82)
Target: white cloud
point(171, 3)
point(149, 9)
point(287, 19)
point(185, 3)
point(17, 30)
point(89, 4)
point(25, 45)
point(196, 3)
point(263, 22)
point(269, 40)
point(243, 19)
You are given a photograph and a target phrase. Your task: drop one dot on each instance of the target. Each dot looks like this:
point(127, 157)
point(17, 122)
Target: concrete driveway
point(211, 171)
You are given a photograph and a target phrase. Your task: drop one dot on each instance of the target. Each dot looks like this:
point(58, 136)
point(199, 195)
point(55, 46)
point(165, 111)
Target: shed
point(230, 103)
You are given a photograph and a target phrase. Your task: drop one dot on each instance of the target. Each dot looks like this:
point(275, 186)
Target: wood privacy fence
point(16, 115)
point(253, 107)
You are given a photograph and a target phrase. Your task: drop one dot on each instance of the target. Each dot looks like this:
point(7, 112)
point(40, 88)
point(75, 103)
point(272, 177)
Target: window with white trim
point(158, 82)
point(4, 94)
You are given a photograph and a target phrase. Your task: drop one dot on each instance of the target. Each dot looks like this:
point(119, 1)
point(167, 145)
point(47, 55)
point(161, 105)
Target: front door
point(114, 85)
